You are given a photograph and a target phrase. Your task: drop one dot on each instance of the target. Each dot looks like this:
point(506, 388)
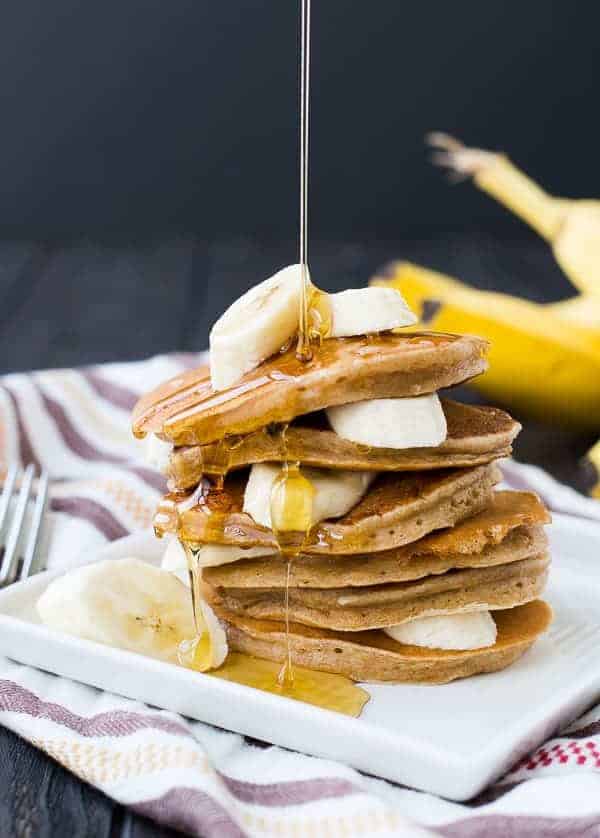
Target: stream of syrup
point(291, 500)
point(304, 351)
point(195, 652)
point(291, 519)
point(292, 493)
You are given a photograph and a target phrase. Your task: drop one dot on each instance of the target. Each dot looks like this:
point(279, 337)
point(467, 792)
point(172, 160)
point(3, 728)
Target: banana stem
point(496, 175)
point(503, 181)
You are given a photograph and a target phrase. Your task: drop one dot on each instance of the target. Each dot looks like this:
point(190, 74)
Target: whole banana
point(544, 359)
point(542, 364)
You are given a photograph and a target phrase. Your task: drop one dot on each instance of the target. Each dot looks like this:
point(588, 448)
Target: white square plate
point(451, 740)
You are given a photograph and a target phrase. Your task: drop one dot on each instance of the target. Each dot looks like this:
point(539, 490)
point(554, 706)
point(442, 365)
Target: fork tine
point(36, 525)
point(7, 491)
point(8, 566)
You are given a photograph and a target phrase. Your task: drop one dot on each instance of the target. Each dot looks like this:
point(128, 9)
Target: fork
point(13, 543)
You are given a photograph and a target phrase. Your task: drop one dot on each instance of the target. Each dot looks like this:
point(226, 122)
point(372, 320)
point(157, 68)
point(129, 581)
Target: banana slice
point(255, 327)
point(208, 649)
point(129, 604)
point(335, 492)
point(266, 317)
point(363, 311)
point(157, 452)
point(209, 555)
point(474, 630)
point(417, 422)
point(174, 561)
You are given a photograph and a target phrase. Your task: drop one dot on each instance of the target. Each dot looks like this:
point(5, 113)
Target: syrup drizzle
point(292, 510)
point(195, 652)
point(292, 493)
point(216, 458)
point(291, 519)
point(304, 351)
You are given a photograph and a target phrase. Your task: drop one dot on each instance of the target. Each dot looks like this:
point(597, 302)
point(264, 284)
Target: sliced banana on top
point(132, 605)
point(335, 492)
point(474, 630)
point(265, 318)
point(363, 311)
point(417, 422)
point(255, 326)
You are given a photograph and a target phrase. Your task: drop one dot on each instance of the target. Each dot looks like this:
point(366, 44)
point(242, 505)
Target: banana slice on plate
point(207, 649)
point(417, 422)
point(334, 492)
point(474, 630)
point(265, 319)
point(132, 605)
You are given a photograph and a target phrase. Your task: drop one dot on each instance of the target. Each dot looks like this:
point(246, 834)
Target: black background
point(146, 117)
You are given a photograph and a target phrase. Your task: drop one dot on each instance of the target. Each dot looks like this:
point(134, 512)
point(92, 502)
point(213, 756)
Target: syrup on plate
point(322, 689)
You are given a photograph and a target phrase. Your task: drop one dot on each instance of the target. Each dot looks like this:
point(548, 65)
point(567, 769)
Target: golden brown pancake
point(187, 411)
point(396, 510)
point(373, 656)
point(508, 530)
point(397, 565)
point(506, 510)
point(476, 435)
point(378, 606)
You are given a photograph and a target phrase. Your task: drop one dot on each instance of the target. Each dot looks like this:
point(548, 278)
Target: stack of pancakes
point(430, 536)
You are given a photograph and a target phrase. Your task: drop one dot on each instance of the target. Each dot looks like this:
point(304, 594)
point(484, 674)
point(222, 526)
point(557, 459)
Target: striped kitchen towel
point(189, 775)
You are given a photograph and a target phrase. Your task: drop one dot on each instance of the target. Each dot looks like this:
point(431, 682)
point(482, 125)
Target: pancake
point(187, 411)
point(373, 656)
point(378, 606)
point(399, 565)
point(508, 530)
point(476, 435)
point(397, 509)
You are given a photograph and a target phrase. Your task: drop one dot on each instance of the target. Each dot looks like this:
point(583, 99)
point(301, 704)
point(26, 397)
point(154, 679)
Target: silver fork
point(14, 540)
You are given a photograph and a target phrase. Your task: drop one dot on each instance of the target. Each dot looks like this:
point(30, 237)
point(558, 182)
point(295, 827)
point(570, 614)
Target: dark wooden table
point(67, 305)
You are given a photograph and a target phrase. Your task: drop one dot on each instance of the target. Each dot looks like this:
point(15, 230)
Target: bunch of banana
point(544, 359)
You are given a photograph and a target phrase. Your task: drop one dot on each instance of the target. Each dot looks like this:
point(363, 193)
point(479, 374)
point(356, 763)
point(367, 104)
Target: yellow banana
point(571, 226)
point(581, 310)
point(542, 364)
point(544, 358)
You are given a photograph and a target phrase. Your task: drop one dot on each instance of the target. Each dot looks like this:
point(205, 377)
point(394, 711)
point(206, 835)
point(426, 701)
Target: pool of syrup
point(322, 689)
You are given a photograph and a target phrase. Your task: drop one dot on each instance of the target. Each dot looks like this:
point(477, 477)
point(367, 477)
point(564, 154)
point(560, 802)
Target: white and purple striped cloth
point(188, 775)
